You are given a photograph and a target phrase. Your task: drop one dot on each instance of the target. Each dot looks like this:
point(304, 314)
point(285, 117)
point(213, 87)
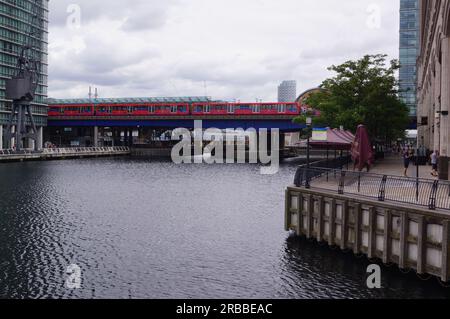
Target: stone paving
point(398, 188)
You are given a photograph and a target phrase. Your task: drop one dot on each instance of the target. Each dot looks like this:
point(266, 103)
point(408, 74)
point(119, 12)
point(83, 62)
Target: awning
point(334, 139)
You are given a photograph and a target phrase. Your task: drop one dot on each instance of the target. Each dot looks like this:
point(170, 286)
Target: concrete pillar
point(40, 138)
point(31, 143)
point(13, 139)
point(1, 137)
point(445, 108)
point(95, 136)
point(130, 137)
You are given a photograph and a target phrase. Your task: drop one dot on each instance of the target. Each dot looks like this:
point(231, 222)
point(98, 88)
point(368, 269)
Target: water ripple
point(146, 229)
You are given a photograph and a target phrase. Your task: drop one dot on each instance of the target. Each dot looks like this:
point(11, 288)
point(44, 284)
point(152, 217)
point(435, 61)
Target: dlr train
point(176, 109)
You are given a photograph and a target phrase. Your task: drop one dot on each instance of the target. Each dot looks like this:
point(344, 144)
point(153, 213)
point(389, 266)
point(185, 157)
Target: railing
point(86, 150)
point(14, 152)
point(67, 151)
point(429, 193)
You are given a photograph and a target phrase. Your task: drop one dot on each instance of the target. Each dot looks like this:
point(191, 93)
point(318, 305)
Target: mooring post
point(387, 236)
point(372, 232)
point(287, 212)
point(300, 211)
point(403, 240)
point(357, 229)
point(344, 225)
point(421, 244)
point(309, 218)
point(445, 276)
point(320, 217)
point(332, 235)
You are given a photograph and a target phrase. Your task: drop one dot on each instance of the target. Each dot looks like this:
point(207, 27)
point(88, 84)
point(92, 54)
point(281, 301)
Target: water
point(151, 229)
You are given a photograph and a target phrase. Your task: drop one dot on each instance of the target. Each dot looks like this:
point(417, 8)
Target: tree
point(362, 92)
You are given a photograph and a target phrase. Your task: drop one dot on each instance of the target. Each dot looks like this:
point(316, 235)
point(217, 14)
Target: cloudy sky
point(227, 49)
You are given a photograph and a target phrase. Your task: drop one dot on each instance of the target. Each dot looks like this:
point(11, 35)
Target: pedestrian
point(406, 160)
point(434, 163)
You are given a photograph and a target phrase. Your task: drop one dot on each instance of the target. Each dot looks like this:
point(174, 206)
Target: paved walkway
point(397, 188)
point(393, 165)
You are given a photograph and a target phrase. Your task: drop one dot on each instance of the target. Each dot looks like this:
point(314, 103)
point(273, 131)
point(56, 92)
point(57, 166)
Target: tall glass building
point(409, 51)
point(18, 20)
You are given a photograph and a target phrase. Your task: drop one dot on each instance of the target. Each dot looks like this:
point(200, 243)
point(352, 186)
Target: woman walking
point(434, 163)
point(407, 155)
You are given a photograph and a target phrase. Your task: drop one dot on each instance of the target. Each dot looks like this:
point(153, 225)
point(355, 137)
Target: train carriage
point(175, 109)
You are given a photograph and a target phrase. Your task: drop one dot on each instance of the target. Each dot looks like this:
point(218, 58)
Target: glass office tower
point(409, 51)
point(19, 19)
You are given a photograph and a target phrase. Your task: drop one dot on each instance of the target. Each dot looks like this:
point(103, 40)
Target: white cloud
point(240, 49)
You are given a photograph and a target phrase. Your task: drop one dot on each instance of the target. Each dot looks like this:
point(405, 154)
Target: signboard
point(320, 135)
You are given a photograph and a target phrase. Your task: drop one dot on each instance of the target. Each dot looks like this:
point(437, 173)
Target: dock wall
point(410, 237)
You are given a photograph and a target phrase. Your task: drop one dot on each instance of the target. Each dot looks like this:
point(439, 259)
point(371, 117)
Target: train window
point(281, 108)
point(55, 109)
point(255, 108)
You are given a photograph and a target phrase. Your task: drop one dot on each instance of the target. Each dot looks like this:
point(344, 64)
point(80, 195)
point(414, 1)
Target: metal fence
point(68, 150)
point(434, 194)
point(86, 150)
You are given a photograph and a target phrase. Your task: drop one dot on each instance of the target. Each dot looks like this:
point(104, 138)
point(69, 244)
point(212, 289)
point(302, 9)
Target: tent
point(332, 139)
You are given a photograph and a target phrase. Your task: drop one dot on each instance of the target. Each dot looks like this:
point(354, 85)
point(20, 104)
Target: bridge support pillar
point(31, 143)
point(13, 139)
point(282, 145)
point(95, 136)
point(40, 138)
point(1, 137)
point(130, 137)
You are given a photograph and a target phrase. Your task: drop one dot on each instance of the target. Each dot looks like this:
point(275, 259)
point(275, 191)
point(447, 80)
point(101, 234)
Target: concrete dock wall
point(62, 153)
point(410, 237)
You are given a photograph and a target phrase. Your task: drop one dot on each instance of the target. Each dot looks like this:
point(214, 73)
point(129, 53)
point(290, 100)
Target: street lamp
point(308, 125)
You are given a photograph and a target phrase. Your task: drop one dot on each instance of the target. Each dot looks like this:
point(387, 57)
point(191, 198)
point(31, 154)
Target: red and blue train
point(176, 109)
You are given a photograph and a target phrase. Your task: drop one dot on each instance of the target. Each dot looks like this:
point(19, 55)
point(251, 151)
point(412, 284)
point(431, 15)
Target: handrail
point(67, 150)
point(424, 192)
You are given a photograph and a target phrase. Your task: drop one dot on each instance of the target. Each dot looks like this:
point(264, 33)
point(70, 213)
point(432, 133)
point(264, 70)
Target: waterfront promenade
point(381, 214)
point(393, 165)
point(62, 153)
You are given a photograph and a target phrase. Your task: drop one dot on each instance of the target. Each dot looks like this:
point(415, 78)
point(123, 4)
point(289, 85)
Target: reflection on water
point(146, 229)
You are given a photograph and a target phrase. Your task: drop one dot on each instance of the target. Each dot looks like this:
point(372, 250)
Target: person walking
point(406, 160)
point(434, 163)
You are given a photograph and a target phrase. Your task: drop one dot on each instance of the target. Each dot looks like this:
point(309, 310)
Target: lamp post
point(308, 125)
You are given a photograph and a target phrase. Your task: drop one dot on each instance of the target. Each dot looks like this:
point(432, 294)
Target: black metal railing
point(434, 194)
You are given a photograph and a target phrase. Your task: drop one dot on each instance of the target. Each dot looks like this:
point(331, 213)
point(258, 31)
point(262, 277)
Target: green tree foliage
point(362, 92)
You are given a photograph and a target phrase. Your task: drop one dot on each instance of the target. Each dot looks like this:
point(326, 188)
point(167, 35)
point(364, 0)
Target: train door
point(173, 109)
point(207, 108)
point(230, 108)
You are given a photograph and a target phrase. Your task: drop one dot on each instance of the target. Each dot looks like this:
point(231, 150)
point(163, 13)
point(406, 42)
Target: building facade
point(433, 90)
point(287, 91)
point(23, 22)
point(409, 51)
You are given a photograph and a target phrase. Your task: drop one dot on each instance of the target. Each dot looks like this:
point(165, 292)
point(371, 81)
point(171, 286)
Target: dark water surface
point(151, 229)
